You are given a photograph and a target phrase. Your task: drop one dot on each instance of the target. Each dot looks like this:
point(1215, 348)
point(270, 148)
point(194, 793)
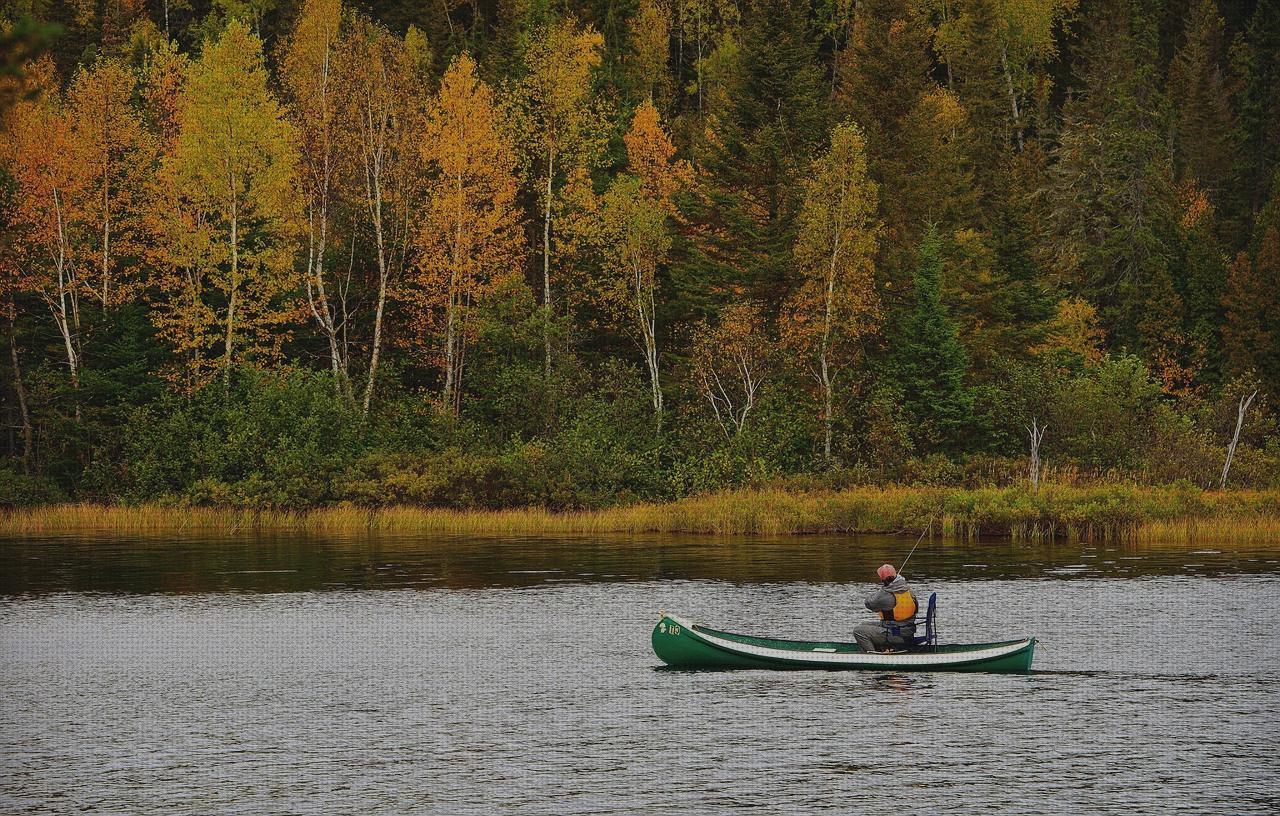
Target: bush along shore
point(1116, 512)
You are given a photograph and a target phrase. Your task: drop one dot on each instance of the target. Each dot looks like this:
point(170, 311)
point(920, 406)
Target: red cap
point(886, 572)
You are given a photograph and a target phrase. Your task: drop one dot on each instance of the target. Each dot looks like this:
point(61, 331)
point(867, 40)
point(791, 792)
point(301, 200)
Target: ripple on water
point(544, 698)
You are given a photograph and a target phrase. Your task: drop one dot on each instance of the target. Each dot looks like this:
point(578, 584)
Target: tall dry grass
point(1112, 512)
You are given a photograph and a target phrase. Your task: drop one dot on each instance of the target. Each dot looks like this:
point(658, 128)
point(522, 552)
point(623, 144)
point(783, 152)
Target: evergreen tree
point(767, 138)
point(1200, 94)
point(1110, 229)
point(932, 362)
point(1259, 133)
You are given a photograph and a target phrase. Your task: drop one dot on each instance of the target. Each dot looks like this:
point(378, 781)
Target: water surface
point(395, 675)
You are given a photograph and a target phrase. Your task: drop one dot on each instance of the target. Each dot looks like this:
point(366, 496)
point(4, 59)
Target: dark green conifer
point(933, 364)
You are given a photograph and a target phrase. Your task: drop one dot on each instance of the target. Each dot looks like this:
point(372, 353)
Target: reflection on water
point(280, 563)
point(289, 675)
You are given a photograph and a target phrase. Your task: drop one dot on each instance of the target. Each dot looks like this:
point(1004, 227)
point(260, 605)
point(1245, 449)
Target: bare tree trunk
point(828, 316)
point(1245, 402)
point(546, 264)
point(1036, 432)
point(231, 300)
point(646, 314)
point(1013, 96)
point(20, 390)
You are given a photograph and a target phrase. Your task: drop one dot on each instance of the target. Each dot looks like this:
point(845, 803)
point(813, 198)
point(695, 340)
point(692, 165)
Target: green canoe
point(687, 645)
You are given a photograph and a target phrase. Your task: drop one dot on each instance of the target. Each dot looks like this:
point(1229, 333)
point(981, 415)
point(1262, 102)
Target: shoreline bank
point(1115, 512)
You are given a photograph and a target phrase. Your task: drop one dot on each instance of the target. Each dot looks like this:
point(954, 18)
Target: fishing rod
point(917, 544)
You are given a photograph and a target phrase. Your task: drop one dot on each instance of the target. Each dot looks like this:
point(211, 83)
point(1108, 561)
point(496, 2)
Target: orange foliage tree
point(47, 246)
point(469, 238)
point(637, 211)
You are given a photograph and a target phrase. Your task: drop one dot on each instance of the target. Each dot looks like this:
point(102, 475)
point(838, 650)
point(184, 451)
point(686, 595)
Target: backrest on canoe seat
point(931, 621)
point(930, 636)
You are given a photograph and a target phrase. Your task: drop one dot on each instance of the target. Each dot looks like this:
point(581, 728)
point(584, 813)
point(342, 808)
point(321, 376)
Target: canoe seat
point(930, 636)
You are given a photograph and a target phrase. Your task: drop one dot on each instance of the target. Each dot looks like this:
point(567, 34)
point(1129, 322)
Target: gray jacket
point(882, 600)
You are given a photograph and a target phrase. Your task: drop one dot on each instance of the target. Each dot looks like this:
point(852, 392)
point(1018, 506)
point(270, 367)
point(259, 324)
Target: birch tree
point(556, 97)
point(637, 210)
point(729, 364)
point(116, 156)
point(229, 211)
point(835, 304)
point(470, 238)
point(382, 101)
point(309, 78)
point(45, 221)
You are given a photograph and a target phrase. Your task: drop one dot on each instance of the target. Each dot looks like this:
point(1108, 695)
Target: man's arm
point(880, 601)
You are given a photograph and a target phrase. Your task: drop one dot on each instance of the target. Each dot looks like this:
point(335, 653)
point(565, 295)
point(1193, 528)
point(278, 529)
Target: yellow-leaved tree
point(309, 75)
point(563, 126)
point(226, 213)
point(836, 303)
point(469, 237)
point(382, 98)
point(637, 212)
point(116, 157)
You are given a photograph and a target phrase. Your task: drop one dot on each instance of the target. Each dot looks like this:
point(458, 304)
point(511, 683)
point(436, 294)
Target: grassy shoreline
point(1113, 512)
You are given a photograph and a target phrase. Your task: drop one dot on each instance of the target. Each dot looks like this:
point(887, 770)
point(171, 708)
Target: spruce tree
point(1200, 93)
point(1259, 132)
point(770, 133)
point(932, 362)
point(1111, 226)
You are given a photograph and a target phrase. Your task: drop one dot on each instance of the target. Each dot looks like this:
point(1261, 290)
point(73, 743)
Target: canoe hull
point(682, 644)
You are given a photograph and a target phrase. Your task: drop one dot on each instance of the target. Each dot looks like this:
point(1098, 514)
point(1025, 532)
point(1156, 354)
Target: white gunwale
point(846, 658)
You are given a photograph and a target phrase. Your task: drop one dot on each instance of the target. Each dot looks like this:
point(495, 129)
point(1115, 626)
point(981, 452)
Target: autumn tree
point(116, 155)
point(835, 304)
point(1251, 302)
point(469, 239)
point(51, 186)
point(309, 76)
point(730, 360)
point(226, 213)
point(650, 39)
point(381, 101)
point(637, 210)
point(555, 99)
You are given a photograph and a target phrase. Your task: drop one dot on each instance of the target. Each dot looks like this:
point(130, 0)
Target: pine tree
point(1259, 132)
point(932, 364)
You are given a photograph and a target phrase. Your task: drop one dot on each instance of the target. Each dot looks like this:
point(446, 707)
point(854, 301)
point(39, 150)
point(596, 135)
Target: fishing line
point(917, 544)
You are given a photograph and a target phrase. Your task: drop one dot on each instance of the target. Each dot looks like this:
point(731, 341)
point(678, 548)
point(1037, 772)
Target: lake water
point(280, 675)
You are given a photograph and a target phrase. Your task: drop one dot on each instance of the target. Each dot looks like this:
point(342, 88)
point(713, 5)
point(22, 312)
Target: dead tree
point(1036, 432)
point(1245, 402)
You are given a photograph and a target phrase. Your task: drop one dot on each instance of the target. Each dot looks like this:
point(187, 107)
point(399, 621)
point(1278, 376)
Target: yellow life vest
point(904, 607)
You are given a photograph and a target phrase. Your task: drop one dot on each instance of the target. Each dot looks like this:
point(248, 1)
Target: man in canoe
point(896, 606)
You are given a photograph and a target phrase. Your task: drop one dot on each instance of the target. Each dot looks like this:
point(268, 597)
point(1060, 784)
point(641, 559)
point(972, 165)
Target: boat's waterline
point(681, 643)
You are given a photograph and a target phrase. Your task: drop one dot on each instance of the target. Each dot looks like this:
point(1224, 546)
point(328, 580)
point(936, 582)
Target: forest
point(487, 254)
